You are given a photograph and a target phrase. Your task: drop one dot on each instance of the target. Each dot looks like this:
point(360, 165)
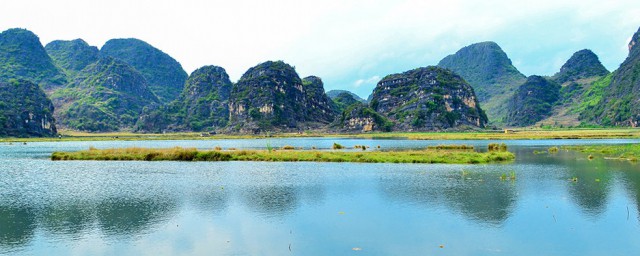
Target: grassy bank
point(190, 154)
point(623, 152)
point(482, 135)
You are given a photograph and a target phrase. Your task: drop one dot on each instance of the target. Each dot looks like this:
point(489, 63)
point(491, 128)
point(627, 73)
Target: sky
point(351, 44)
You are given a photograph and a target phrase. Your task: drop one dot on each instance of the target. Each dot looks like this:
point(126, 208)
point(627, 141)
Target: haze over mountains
point(129, 85)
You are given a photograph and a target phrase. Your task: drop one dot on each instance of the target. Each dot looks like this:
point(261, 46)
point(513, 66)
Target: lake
point(558, 204)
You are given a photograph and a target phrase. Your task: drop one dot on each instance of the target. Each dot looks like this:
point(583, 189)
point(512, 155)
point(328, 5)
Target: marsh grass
point(629, 152)
point(192, 154)
point(500, 147)
point(451, 147)
point(553, 150)
point(337, 146)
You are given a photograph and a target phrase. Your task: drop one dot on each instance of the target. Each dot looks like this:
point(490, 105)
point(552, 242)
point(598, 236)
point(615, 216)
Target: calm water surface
point(256, 208)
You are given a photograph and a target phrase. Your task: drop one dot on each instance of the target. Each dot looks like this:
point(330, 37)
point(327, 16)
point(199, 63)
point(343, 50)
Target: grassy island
point(191, 154)
point(629, 152)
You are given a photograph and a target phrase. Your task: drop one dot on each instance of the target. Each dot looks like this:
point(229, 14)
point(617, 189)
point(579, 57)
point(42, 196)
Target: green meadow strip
point(192, 154)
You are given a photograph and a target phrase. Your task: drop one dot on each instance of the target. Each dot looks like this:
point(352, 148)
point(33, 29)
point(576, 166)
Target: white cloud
point(340, 41)
point(370, 81)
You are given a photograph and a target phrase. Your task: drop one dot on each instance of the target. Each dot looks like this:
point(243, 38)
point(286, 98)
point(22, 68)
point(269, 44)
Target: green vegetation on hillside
point(72, 56)
point(202, 105)
point(165, 76)
point(22, 56)
point(533, 101)
point(108, 95)
point(582, 64)
point(488, 69)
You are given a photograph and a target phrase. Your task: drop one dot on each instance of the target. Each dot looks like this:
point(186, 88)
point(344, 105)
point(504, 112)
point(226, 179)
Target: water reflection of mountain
point(67, 219)
point(631, 180)
point(479, 196)
point(115, 217)
point(593, 186)
point(129, 216)
point(271, 200)
point(17, 225)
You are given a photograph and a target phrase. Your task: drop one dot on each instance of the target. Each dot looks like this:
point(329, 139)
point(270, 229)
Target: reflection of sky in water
point(318, 208)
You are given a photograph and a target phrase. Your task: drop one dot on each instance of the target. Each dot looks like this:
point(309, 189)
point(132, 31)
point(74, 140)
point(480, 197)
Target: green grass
point(451, 147)
point(517, 134)
point(629, 152)
point(191, 154)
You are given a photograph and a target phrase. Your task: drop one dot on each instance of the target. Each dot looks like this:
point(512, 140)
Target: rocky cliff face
point(72, 56)
point(203, 105)
point(267, 97)
point(582, 64)
point(533, 101)
point(25, 111)
point(359, 117)
point(620, 103)
point(23, 57)
point(488, 69)
point(108, 95)
point(318, 105)
point(164, 74)
point(427, 99)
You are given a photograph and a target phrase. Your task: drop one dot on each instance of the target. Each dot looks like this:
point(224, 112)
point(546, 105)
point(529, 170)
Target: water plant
point(337, 146)
point(497, 147)
point(287, 147)
point(553, 150)
point(451, 147)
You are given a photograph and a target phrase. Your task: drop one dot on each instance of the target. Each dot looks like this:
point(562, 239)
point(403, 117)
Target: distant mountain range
point(129, 85)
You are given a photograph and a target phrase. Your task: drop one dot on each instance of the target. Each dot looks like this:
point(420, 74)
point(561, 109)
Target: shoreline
point(523, 134)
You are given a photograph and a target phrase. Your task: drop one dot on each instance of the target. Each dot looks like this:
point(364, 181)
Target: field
point(516, 134)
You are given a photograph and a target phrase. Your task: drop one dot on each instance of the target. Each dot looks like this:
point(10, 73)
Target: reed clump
point(451, 147)
point(553, 150)
point(337, 146)
point(499, 147)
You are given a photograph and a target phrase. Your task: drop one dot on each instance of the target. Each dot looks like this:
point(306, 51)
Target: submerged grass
point(629, 152)
point(192, 154)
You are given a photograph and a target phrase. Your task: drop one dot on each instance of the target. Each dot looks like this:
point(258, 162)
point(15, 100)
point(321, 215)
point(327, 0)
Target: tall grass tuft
point(337, 146)
point(499, 147)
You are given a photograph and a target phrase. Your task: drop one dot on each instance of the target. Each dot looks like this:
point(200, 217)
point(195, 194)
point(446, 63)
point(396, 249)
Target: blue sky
point(349, 44)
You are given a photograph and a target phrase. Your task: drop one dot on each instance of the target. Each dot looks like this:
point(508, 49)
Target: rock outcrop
point(203, 105)
point(532, 102)
point(427, 99)
point(108, 95)
point(164, 74)
point(488, 69)
point(582, 64)
point(359, 117)
point(319, 106)
point(268, 97)
point(25, 110)
point(72, 56)
point(620, 103)
point(22, 56)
